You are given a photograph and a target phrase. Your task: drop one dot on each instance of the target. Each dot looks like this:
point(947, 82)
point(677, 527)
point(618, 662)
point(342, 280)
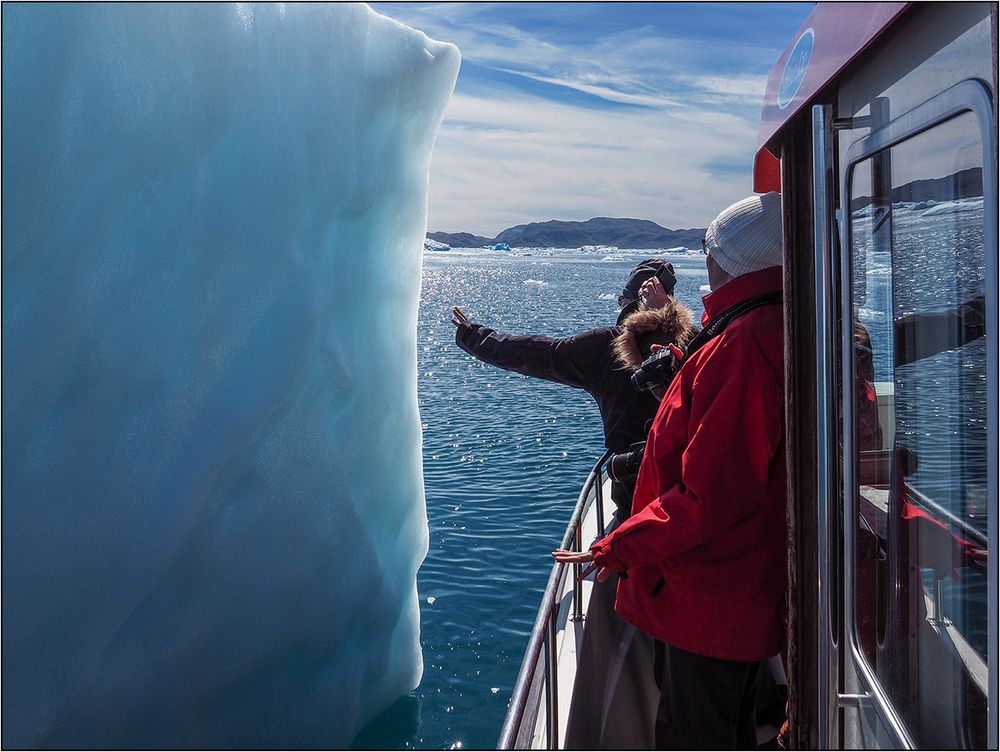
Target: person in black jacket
point(587, 360)
point(614, 656)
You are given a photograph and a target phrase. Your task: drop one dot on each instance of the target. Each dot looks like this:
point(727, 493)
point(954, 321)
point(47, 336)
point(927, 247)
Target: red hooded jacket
point(705, 545)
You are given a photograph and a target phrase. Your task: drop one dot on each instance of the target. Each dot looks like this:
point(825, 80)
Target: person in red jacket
point(703, 555)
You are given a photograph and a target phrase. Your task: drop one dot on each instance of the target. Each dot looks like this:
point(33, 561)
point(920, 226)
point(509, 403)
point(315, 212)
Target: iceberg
point(433, 245)
point(213, 507)
point(954, 207)
point(498, 247)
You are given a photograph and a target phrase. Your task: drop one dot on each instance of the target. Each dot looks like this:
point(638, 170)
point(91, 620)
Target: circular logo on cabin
point(795, 69)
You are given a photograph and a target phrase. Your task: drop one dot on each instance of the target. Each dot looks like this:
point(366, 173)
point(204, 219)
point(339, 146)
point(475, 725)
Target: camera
point(658, 369)
point(667, 278)
point(624, 466)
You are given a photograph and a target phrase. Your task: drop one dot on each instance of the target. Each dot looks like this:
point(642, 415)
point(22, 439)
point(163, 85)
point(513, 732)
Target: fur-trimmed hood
point(641, 329)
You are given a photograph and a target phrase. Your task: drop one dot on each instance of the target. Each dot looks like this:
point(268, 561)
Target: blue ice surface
point(213, 508)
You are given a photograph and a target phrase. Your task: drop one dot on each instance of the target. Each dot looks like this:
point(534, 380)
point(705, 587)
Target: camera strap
point(720, 322)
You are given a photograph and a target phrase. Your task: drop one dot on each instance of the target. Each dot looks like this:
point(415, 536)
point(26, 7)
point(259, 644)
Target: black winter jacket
point(583, 361)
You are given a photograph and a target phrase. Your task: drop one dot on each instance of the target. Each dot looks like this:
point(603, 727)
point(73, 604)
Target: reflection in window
point(917, 255)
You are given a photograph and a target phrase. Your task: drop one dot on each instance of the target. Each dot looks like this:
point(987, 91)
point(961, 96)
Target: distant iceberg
point(498, 247)
point(954, 207)
point(433, 245)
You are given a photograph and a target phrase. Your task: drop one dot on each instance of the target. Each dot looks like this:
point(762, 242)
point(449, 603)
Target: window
point(919, 384)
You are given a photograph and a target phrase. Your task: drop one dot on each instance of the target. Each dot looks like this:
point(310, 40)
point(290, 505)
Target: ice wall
point(213, 217)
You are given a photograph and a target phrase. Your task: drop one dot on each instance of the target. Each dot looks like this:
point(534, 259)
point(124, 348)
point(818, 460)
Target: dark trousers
point(705, 703)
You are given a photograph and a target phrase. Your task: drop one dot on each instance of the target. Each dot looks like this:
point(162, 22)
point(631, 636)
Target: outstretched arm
point(569, 360)
point(920, 335)
point(580, 557)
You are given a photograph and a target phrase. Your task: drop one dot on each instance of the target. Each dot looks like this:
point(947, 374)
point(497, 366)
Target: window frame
point(967, 96)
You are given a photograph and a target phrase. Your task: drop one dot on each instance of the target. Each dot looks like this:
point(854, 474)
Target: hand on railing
point(580, 557)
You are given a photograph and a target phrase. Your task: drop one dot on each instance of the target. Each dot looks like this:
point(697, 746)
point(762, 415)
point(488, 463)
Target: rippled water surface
point(504, 459)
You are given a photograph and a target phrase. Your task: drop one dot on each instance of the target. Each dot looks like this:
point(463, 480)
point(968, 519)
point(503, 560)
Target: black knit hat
point(644, 271)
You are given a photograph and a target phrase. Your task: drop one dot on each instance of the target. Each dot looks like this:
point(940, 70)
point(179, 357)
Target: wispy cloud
point(570, 111)
point(601, 87)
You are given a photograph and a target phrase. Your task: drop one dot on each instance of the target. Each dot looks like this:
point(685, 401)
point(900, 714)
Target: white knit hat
point(746, 237)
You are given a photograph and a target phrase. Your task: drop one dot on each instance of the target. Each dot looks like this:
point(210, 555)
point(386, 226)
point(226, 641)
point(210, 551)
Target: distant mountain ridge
point(621, 232)
point(460, 239)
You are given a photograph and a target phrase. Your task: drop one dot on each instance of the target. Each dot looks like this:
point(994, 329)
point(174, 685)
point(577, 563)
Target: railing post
point(577, 585)
point(553, 689)
point(548, 691)
point(936, 615)
point(600, 498)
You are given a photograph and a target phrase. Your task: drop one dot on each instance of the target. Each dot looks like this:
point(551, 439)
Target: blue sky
point(576, 110)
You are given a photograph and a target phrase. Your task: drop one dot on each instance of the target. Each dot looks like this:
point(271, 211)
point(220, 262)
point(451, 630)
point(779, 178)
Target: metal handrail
point(946, 515)
point(543, 631)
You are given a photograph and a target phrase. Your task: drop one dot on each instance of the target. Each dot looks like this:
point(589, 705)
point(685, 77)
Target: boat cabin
point(879, 129)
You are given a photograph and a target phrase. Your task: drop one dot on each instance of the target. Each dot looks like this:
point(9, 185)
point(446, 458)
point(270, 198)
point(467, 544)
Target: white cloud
point(742, 88)
point(503, 161)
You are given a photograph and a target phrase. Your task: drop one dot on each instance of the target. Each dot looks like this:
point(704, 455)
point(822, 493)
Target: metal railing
point(539, 665)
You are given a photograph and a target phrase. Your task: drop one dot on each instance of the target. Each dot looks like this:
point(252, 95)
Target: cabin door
point(916, 334)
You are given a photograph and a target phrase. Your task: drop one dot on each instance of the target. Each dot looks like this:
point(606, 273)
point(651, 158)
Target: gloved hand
point(458, 317)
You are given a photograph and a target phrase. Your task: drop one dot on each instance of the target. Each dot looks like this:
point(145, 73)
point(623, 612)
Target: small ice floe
point(494, 690)
point(869, 313)
point(613, 257)
point(430, 600)
point(607, 296)
point(705, 288)
point(536, 282)
point(675, 249)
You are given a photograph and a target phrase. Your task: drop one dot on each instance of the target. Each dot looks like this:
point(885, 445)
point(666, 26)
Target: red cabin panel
point(832, 36)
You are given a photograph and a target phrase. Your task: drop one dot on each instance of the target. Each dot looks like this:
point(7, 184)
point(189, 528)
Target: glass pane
point(872, 293)
point(920, 429)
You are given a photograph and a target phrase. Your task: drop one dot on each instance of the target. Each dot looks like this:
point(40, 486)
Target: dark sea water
point(504, 459)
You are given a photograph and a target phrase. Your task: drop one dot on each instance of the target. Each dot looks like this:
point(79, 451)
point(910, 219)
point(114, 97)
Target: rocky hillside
point(624, 233)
